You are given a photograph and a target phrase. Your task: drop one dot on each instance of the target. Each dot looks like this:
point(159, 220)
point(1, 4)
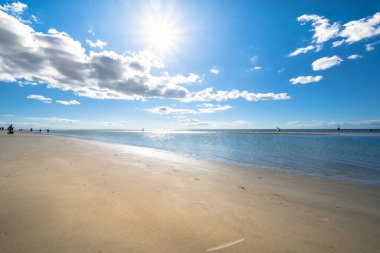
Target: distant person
point(40, 130)
point(47, 130)
point(31, 129)
point(278, 129)
point(10, 129)
point(338, 129)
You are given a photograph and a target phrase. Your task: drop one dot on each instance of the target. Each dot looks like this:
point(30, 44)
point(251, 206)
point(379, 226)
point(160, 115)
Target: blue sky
point(190, 64)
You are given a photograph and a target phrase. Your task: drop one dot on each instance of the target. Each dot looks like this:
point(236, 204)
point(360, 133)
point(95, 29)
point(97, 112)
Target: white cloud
point(170, 110)
point(255, 68)
point(215, 70)
point(96, 44)
point(301, 50)
point(306, 79)
point(354, 56)
point(350, 32)
point(371, 46)
point(208, 95)
point(70, 102)
point(16, 8)
point(40, 98)
point(326, 62)
point(323, 30)
point(206, 108)
point(337, 43)
point(213, 124)
point(55, 119)
point(212, 108)
point(334, 124)
point(91, 31)
point(364, 28)
point(59, 61)
point(253, 59)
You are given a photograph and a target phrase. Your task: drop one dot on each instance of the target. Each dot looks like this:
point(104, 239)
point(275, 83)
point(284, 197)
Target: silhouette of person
point(31, 129)
point(47, 130)
point(40, 130)
point(10, 129)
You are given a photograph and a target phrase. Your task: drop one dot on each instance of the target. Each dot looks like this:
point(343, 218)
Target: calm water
point(350, 155)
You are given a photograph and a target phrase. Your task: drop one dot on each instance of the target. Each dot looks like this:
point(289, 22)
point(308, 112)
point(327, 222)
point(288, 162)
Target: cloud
point(57, 60)
point(208, 95)
point(213, 124)
point(370, 46)
point(16, 8)
point(170, 110)
point(55, 119)
point(40, 98)
point(326, 62)
point(354, 56)
point(255, 68)
point(323, 30)
point(96, 44)
point(206, 108)
point(253, 59)
point(364, 28)
point(212, 108)
point(334, 124)
point(306, 79)
point(350, 32)
point(215, 70)
point(70, 102)
point(301, 50)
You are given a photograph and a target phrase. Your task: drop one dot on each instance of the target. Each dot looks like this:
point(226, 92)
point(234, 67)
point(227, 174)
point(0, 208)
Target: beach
point(60, 194)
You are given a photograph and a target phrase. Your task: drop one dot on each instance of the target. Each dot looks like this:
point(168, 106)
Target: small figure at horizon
point(142, 130)
point(278, 129)
point(31, 129)
point(338, 129)
point(47, 131)
point(39, 130)
point(10, 129)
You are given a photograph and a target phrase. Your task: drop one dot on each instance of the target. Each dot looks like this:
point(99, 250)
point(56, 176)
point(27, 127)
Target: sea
point(347, 155)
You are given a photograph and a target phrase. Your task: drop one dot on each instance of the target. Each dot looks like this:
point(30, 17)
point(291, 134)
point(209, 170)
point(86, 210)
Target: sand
point(60, 194)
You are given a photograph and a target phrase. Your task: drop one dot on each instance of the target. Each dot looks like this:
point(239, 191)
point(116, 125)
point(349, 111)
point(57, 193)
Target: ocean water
point(348, 155)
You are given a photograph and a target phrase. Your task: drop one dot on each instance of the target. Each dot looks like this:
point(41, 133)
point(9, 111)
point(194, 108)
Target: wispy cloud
point(54, 119)
point(333, 124)
point(301, 50)
point(70, 102)
point(16, 8)
point(206, 108)
point(209, 95)
point(256, 68)
point(354, 57)
point(371, 46)
point(306, 79)
point(96, 44)
point(40, 98)
point(215, 70)
point(326, 62)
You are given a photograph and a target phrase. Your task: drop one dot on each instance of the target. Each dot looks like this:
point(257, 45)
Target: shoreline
point(67, 194)
point(232, 164)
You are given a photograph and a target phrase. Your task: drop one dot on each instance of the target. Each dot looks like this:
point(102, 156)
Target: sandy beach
point(60, 194)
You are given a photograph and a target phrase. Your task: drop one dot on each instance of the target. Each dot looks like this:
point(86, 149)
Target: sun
point(162, 36)
point(162, 31)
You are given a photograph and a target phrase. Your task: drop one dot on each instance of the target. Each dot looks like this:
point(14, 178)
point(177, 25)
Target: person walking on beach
point(31, 129)
point(47, 131)
point(10, 129)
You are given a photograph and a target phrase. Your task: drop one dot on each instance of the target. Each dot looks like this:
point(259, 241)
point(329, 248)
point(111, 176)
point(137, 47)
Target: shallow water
point(350, 155)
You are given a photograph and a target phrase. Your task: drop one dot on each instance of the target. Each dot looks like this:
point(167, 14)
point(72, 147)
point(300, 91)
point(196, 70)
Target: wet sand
point(67, 195)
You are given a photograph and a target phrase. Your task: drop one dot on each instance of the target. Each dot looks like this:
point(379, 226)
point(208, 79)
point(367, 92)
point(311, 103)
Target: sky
point(190, 64)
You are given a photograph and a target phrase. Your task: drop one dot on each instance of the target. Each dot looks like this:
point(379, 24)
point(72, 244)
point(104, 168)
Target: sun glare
point(162, 36)
point(162, 31)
